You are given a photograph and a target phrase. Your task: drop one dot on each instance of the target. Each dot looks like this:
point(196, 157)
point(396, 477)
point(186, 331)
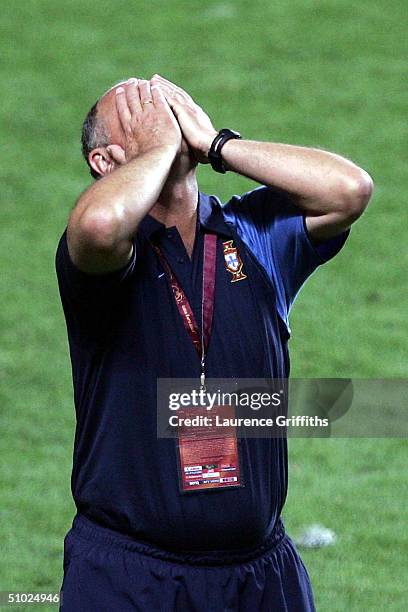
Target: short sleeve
point(274, 229)
point(88, 298)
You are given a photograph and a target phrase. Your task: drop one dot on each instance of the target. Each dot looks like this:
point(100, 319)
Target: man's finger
point(117, 154)
point(165, 81)
point(158, 96)
point(166, 91)
point(145, 95)
point(132, 95)
point(171, 95)
point(172, 87)
point(123, 109)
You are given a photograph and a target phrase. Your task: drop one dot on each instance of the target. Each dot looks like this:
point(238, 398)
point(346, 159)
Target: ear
point(103, 160)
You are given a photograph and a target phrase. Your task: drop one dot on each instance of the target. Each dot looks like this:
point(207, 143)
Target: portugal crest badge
point(233, 261)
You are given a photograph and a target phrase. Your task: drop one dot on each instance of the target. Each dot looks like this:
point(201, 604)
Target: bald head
point(101, 126)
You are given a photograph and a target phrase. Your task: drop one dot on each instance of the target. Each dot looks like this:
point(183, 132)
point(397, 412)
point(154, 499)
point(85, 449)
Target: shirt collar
point(149, 226)
point(211, 216)
point(209, 212)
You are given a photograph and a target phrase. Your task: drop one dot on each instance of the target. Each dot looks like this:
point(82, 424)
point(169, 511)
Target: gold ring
point(147, 102)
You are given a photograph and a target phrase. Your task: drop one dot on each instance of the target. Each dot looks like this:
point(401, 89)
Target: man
point(136, 240)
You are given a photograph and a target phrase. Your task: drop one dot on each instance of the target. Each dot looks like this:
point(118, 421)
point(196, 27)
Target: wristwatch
point(214, 154)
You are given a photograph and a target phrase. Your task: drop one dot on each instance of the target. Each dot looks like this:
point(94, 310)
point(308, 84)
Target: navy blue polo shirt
point(125, 331)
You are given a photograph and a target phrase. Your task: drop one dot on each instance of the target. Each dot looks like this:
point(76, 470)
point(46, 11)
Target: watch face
point(232, 133)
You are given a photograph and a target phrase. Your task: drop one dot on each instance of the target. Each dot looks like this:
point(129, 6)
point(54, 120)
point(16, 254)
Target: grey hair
point(94, 134)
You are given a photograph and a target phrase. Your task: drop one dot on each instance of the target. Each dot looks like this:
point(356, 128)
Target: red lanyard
point(202, 340)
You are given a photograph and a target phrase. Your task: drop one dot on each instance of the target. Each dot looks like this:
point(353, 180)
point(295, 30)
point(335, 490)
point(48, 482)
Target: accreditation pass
point(208, 454)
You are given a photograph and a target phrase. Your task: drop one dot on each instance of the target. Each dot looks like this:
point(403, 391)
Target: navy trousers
point(108, 572)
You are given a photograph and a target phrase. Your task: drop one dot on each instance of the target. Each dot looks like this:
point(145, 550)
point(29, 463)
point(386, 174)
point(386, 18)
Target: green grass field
point(328, 74)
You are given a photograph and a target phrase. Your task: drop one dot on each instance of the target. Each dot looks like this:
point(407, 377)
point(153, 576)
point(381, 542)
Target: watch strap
point(214, 154)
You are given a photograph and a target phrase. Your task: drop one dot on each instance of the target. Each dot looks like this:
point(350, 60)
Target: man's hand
point(104, 221)
point(146, 119)
point(195, 124)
